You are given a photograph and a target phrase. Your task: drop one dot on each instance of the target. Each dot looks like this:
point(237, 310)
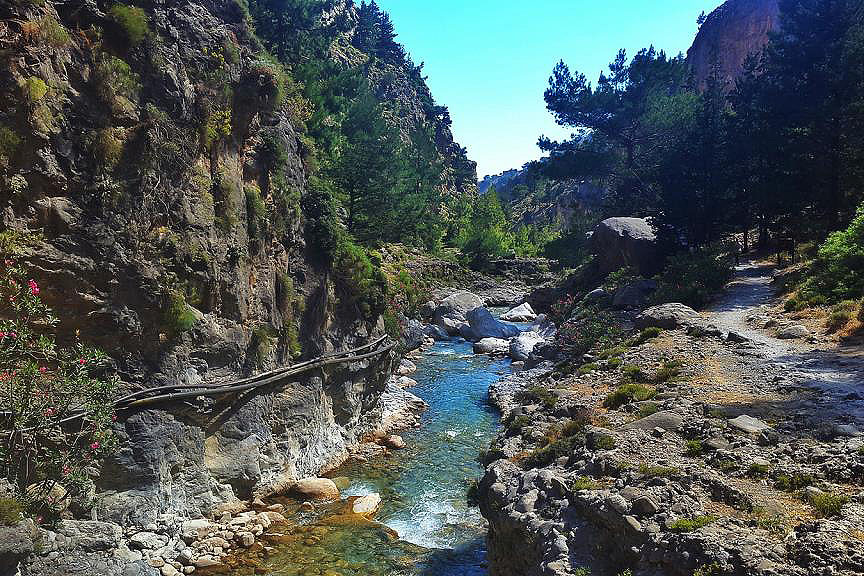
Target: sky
point(489, 61)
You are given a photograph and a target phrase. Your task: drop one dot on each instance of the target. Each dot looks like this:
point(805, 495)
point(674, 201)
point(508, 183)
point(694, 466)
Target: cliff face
point(137, 183)
point(732, 32)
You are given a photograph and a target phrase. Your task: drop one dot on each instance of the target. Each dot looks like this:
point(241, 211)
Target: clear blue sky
point(489, 60)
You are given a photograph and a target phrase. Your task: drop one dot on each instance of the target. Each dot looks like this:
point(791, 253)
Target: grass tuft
point(627, 393)
point(691, 524)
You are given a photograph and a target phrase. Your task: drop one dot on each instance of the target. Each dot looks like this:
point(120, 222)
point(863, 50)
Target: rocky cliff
point(731, 33)
point(153, 178)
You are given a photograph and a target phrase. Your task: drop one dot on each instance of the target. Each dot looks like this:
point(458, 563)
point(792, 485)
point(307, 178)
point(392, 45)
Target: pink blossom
point(2, 335)
point(42, 369)
point(82, 361)
point(94, 446)
point(34, 288)
point(49, 412)
point(66, 470)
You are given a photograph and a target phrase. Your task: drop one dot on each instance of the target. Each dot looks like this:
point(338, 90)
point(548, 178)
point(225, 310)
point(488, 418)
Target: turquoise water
point(423, 487)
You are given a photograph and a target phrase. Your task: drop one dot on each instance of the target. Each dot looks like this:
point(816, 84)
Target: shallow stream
point(423, 487)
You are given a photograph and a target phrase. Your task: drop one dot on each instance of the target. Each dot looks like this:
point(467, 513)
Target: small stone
point(277, 507)
point(394, 441)
point(316, 489)
point(246, 539)
point(748, 424)
point(366, 505)
point(658, 432)
point(168, 570)
point(645, 506)
point(633, 523)
point(307, 507)
point(793, 331)
point(157, 562)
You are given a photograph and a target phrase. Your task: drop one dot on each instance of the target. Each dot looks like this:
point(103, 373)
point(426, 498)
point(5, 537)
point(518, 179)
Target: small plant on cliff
point(669, 370)
point(628, 393)
point(132, 22)
point(55, 411)
point(691, 524)
point(51, 33)
point(840, 315)
point(539, 395)
point(712, 569)
point(10, 511)
point(584, 483)
point(827, 504)
point(648, 334)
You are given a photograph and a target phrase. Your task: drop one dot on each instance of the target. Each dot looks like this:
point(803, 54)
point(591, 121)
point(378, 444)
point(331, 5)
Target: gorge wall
point(155, 180)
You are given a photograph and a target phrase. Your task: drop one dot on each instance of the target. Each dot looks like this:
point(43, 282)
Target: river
point(423, 487)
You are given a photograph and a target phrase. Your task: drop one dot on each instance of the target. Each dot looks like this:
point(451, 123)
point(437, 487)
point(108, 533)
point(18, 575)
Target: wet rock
point(495, 346)
point(393, 441)
point(316, 489)
point(484, 325)
point(366, 505)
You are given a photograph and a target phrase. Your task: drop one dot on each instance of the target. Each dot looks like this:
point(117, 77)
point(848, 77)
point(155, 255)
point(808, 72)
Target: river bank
point(717, 445)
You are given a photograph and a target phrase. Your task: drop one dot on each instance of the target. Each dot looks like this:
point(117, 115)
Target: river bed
point(423, 487)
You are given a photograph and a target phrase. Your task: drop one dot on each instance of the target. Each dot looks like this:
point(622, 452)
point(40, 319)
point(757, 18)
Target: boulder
point(316, 489)
point(393, 441)
point(521, 313)
point(366, 505)
point(406, 367)
point(793, 331)
point(667, 420)
point(666, 316)
point(413, 335)
point(147, 541)
point(634, 295)
point(16, 543)
point(494, 346)
point(598, 296)
point(748, 424)
point(455, 307)
point(620, 242)
point(91, 535)
point(484, 325)
point(523, 345)
point(436, 332)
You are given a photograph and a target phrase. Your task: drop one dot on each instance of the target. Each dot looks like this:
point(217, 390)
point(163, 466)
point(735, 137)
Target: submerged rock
point(366, 505)
point(316, 489)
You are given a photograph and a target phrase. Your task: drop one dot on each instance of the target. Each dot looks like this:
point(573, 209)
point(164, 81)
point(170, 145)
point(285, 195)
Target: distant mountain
point(733, 31)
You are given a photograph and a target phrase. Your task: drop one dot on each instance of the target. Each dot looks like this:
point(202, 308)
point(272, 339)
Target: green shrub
point(35, 89)
point(612, 364)
point(51, 32)
point(581, 571)
point(669, 370)
point(712, 569)
point(840, 315)
point(647, 408)
point(256, 211)
point(10, 511)
point(827, 504)
point(694, 448)
point(725, 464)
point(610, 353)
point(627, 393)
point(861, 311)
point(651, 471)
point(107, 147)
point(538, 394)
point(757, 470)
point(132, 21)
point(359, 279)
point(693, 278)
point(587, 328)
point(552, 451)
point(633, 372)
point(837, 273)
point(9, 142)
point(691, 524)
point(586, 368)
point(225, 202)
point(793, 482)
point(115, 82)
point(584, 483)
point(177, 316)
point(261, 344)
point(604, 442)
point(648, 334)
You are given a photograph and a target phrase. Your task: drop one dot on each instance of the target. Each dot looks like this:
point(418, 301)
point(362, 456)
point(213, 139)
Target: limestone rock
point(793, 332)
point(455, 307)
point(366, 505)
point(316, 489)
point(522, 345)
point(521, 313)
point(748, 424)
point(394, 441)
point(667, 420)
point(666, 316)
point(484, 325)
point(620, 242)
point(494, 346)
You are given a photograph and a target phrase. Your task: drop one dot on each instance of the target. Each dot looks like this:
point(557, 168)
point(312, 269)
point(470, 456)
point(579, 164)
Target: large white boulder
point(619, 242)
point(522, 345)
point(316, 489)
point(494, 346)
point(521, 313)
point(455, 308)
point(666, 316)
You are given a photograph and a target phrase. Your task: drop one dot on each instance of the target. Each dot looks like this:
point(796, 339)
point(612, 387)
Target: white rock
point(521, 313)
point(367, 504)
point(494, 346)
point(748, 424)
point(793, 331)
point(522, 345)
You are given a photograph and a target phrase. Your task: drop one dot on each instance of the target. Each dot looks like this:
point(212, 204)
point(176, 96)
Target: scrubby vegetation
point(628, 393)
point(691, 524)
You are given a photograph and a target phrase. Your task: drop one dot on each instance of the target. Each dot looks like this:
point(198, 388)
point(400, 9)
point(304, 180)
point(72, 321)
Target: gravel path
point(835, 372)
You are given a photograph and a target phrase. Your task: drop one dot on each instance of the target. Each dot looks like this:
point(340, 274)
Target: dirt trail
point(834, 373)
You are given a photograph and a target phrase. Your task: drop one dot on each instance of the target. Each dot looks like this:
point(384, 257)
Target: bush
point(647, 409)
point(694, 448)
point(604, 442)
point(177, 317)
point(359, 280)
point(115, 82)
point(793, 482)
point(840, 315)
point(10, 511)
point(539, 395)
point(9, 143)
point(837, 273)
point(552, 451)
point(828, 504)
point(693, 278)
point(107, 147)
point(225, 203)
point(132, 21)
point(256, 211)
point(691, 524)
point(647, 334)
point(51, 32)
point(35, 89)
point(758, 470)
point(260, 345)
point(586, 368)
point(627, 393)
point(43, 386)
point(669, 370)
point(584, 483)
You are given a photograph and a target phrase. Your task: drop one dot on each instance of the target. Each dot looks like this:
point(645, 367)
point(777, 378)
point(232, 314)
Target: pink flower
point(42, 369)
point(34, 288)
point(66, 470)
point(13, 334)
point(49, 412)
point(2, 335)
point(94, 446)
point(82, 361)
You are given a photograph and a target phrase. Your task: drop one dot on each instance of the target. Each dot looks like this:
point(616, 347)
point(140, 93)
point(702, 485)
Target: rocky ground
point(728, 443)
